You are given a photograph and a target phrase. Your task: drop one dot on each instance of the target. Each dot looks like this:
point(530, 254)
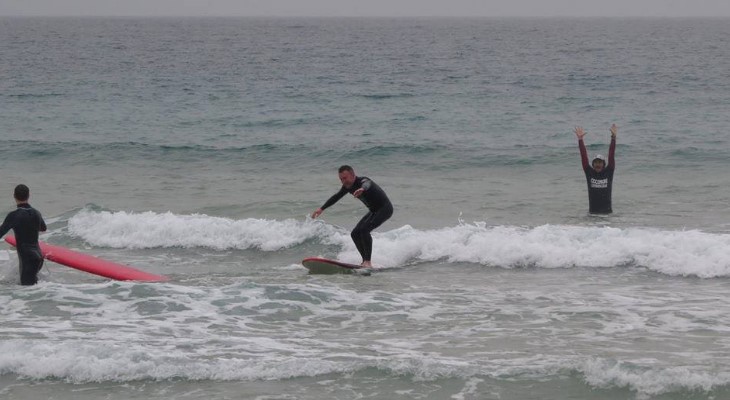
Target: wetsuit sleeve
point(42, 227)
point(7, 225)
point(583, 155)
point(335, 198)
point(611, 152)
point(366, 183)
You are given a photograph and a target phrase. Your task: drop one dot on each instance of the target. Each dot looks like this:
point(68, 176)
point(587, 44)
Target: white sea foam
point(649, 380)
point(683, 253)
point(95, 361)
point(149, 230)
point(124, 332)
point(88, 360)
point(688, 253)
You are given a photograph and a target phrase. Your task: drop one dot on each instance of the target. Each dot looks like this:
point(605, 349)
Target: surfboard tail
point(318, 265)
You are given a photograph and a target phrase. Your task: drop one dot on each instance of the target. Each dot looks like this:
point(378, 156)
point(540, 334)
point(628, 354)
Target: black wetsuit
point(380, 208)
point(599, 183)
point(26, 222)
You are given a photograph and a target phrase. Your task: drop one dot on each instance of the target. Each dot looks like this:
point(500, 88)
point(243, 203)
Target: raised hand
point(579, 132)
point(614, 130)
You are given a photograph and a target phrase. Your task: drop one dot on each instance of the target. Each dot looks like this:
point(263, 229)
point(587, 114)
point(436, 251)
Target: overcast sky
point(395, 8)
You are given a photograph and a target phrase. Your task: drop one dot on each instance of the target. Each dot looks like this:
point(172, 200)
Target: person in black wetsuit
point(374, 198)
point(26, 222)
point(599, 175)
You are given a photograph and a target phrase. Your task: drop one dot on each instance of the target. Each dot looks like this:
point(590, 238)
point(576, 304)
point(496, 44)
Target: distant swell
point(679, 253)
point(33, 95)
point(430, 155)
point(384, 96)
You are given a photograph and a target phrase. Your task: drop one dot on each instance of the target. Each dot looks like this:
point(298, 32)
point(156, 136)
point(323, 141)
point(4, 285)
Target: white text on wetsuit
point(599, 183)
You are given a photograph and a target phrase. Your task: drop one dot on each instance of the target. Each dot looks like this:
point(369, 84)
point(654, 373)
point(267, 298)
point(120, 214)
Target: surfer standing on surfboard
point(374, 198)
point(26, 222)
point(599, 175)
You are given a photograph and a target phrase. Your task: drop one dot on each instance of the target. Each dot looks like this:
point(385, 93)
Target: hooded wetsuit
point(599, 183)
point(26, 222)
point(380, 208)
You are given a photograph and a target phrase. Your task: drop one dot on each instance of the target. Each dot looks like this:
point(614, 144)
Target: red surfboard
point(93, 265)
point(317, 265)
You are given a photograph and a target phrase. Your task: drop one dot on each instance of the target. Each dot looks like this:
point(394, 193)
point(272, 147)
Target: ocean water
point(196, 148)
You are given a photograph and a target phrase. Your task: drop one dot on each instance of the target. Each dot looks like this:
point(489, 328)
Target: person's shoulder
point(367, 181)
point(11, 215)
point(31, 208)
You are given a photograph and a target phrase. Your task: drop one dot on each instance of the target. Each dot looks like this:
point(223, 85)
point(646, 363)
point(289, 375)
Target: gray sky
point(396, 8)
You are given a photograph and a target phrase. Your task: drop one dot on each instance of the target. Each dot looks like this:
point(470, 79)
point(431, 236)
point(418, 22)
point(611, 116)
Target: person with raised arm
point(599, 173)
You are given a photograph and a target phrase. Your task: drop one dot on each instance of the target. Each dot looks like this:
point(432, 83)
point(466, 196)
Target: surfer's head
point(347, 176)
point(21, 193)
point(599, 163)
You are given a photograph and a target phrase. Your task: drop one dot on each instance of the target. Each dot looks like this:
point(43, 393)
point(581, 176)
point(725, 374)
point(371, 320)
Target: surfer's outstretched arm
point(580, 133)
point(332, 200)
point(612, 148)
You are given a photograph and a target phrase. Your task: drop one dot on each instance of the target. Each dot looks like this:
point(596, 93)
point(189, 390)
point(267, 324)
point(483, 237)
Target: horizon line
point(357, 16)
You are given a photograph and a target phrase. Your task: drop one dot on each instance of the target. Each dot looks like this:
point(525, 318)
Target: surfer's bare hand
point(358, 192)
point(614, 130)
point(317, 213)
point(579, 132)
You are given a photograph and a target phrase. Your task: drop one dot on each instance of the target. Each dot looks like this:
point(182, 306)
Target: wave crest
point(152, 230)
point(678, 253)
